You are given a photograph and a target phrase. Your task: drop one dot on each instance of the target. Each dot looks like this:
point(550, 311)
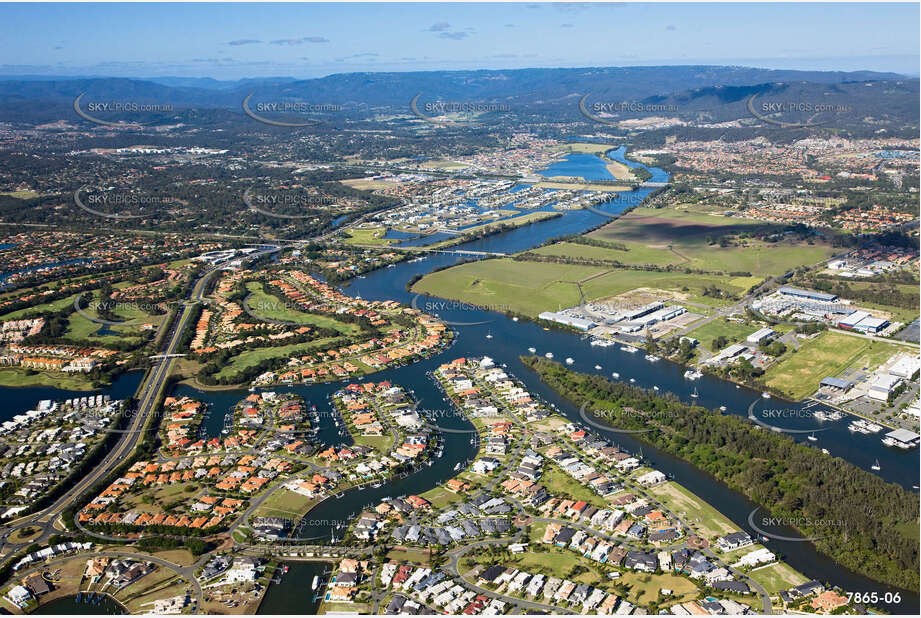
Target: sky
point(233, 41)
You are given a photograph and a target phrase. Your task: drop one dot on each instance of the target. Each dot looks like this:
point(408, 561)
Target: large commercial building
point(562, 318)
point(808, 294)
point(760, 335)
point(863, 322)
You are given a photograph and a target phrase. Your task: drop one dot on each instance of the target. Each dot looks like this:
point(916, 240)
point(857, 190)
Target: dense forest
point(873, 519)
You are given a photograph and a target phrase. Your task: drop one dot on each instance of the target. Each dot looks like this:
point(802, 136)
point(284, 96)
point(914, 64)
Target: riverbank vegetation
point(860, 519)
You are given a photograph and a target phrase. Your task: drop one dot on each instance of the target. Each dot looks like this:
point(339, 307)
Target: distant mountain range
point(526, 88)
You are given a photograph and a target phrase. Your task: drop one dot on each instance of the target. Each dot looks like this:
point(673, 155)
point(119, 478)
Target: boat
point(597, 367)
point(615, 374)
point(532, 350)
point(313, 584)
point(722, 408)
point(766, 395)
point(601, 343)
point(823, 415)
point(655, 388)
point(569, 361)
point(864, 426)
point(652, 358)
point(695, 394)
point(489, 336)
point(457, 466)
point(630, 349)
point(515, 319)
point(897, 443)
point(825, 450)
point(632, 380)
point(811, 437)
point(690, 374)
point(875, 465)
point(548, 355)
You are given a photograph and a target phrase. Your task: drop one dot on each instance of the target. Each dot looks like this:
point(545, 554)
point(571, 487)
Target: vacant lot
point(708, 522)
point(533, 287)
point(368, 236)
point(777, 577)
point(799, 373)
point(664, 236)
point(733, 331)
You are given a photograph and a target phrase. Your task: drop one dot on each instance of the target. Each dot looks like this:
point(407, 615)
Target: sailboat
point(695, 395)
point(811, 437)
point(875, 465)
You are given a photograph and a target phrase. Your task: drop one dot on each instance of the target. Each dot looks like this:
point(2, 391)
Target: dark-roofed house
point(641, 561)
point(490, 574)
point(731, 586)
point(734, 540)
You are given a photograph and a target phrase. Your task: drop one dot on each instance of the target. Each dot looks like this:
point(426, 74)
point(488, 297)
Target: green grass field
point(644, 587)
point(254, 357)
point(533, 287)
point(56, 305)
point(285, 503)
point(372, 236)
point(14, 377)
point(777, 577)
point(799, 373)
point(558, 483)
point(708, 522)
point(733, 331)
point(673, 236)
point(267, 306)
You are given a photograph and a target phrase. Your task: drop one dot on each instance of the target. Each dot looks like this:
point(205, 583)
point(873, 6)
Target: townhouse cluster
point(15, 331)
point(685, 561)
point(42, 446)
point(559, 592)
point(56, 357)
point(417, 589)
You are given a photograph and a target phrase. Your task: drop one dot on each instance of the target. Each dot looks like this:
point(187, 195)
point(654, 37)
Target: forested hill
point(864, 522)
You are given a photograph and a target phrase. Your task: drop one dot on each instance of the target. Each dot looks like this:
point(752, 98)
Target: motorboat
point(548, 355)
point(652, 358)
point(722, 408)
point(630, 349)
point(690, 374)
point(615, 375)
point(569, 361)
point(766, 395)
point(532, 350)
point(597, 367)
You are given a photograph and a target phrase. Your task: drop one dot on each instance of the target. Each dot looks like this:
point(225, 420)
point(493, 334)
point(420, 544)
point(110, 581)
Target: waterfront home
point(734, 540)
